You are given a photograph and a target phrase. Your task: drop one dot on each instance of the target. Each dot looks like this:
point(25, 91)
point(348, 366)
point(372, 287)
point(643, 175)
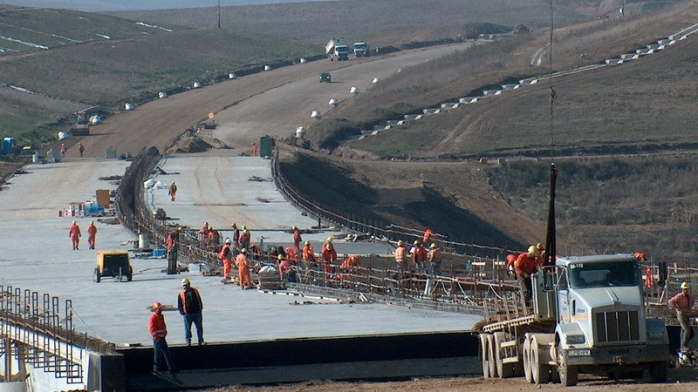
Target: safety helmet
point(400, 243)
point(281, 257)
point(539, 245)
point(294, 228)
point(244, 228)
point(157, 306)
point(416, 242)
point(180, 228)
point(533, 250)
point(185, 282)
point(684, 286)
point(243, 250)
point(329, 239)
point(74, 222)
point(92, 222)
point(228, 241)
point(307, 242)
point(433, 246)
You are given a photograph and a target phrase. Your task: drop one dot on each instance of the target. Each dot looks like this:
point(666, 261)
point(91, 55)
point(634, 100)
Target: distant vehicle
point(325, 77)
point(362, 49)
point(336, 49)
point(115, 264)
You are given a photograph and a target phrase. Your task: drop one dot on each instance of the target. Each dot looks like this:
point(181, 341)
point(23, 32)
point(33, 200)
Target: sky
point(137, 5)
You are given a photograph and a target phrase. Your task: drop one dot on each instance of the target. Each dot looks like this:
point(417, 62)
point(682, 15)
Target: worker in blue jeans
point(190, 306)
point(158, 331)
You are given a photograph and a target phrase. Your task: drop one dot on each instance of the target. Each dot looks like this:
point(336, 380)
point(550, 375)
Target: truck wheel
point(539, 369)
point(483, 356)
point(491, 357)
point(527, 360)
point(504, 370)
point(568, 374)
point(659, 371)
point(95, 277)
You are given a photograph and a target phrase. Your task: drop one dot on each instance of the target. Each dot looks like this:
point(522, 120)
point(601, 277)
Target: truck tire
point(568, 374)
point(490, 356)
point(659, 371)
point(527, 360)
point(483, 355)
point(539, 367)
point(504, 370)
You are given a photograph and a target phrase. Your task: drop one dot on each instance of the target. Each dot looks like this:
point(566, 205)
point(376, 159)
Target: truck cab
point(361, 49)
point(341, 52)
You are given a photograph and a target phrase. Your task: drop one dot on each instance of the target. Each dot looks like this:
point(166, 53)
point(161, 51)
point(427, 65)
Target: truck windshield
point(360, 46)
point(342, 49)
point(607, 274)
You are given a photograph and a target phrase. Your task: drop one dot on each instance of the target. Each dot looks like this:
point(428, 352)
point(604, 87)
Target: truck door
point(565, 307)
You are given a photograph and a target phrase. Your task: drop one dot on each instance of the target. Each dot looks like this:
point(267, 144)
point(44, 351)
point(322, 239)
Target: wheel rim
point(527, 360)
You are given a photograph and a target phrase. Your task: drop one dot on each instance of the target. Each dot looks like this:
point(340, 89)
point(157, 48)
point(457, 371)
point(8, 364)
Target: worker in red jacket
point(351, 263)
point(683, 303)
point(309, 254)
point(158, 331)
point(419, 257)
point(286, 271)
point(297, 239)
point(329, 256)
point(525, 266)
point(74, 235)
point(91, 235)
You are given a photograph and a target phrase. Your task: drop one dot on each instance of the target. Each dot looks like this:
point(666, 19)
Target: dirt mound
point(187, 143)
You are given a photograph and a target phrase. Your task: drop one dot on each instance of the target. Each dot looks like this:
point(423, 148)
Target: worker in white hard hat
point(525, 266)
point(297, 239)
point(91, 234)
point(226, 256)
point(243, 265)
point(245, 238)
point(683, 303)
point(309, 255)
point(191, 306)
point(74, 235)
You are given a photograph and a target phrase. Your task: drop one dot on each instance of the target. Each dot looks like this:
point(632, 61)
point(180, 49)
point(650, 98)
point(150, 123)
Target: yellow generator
point(115, 264)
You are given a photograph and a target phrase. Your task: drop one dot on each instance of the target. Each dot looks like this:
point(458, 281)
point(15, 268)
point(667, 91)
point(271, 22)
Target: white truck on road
point(362, 49)
point(337, 50)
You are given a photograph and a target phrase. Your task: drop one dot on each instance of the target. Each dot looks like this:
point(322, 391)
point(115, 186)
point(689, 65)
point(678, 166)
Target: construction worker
point(63, 150)
point(525, 266)
point(203, 233)
point(74, 235)
point(351, 263)
point(510, 264)
point(427, 236)
point(245, 238)
point(419, 257)
point(401, 257)
point(435, 257)
point(173, 191)
point(254, 149)
point(286, 271)
point(683, 303)
point(158, 331)
point(81, 149)
point(243, 269)
point(541, 255)
point(91, 235)
point(309, 254)
point(226, 256)
point(297, 239)
point(172, 250)
point(291, 255)
point(190, 306)
point(329, 256)
point(236, 235)
point(214, 239)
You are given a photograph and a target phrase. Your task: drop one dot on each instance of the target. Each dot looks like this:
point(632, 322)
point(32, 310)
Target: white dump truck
point(588, 316)
point(362, 49)
point(337, 50)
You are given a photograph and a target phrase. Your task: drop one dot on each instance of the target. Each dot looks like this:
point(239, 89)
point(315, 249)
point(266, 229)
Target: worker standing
point(245, 238)
point(226, 256)
point(203, 233)
point(254, 149)
point(435, 258)
point(525, 266)
point(173, 250)
point(401, 257)
point(173, 191)
point(190, 306)
point(286, 271)
point(63, 150)
point(683, 303)
point(419, 257)
point(91, 234)
point(74, 235)
point(81, 148)
point(243, 269)
point(427, 236)
point(291, 255)
point(297, 239)
point(236, 235)
point(329, 256)
point(309, 254)
point(158, 331)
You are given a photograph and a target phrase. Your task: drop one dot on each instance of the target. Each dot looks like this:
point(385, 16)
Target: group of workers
point(419, 257)
point(74, 234)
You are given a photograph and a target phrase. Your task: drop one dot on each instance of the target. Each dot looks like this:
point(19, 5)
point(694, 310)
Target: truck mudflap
point(617, 355)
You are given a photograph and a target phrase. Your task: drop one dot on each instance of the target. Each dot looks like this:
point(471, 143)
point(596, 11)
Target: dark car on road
point(325, 77)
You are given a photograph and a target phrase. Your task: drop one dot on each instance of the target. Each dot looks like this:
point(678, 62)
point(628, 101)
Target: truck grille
point(618, 326)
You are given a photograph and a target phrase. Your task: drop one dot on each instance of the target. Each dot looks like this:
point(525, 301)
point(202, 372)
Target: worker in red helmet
point(158, 331)
point(74, 235)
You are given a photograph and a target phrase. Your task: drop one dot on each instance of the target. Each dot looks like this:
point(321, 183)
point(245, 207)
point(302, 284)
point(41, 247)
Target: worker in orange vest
point(401, 257)
point(351, 263)
point(297, 239)
point(329, 256)
point(309, 254)
point(226, 256)
point(243, 269)
point(74, 235)
point(91, 234)
point(419, 257)
point(291, 255)
point(427, 236)
point(525, 266)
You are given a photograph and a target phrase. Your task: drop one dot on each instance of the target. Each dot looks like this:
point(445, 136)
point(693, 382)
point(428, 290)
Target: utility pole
point(219, 14)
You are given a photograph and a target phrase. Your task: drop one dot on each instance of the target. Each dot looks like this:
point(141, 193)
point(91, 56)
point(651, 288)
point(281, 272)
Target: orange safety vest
point(400, 254)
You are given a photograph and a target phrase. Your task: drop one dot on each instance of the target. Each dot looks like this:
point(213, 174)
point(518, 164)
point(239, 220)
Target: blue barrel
point(8, 145)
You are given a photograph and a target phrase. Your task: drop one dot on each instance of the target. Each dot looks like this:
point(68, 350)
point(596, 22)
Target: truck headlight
point(575, 339)
point(579, 353)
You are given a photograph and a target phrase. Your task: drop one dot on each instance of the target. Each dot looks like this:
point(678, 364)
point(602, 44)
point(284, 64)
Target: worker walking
point(435, 257)
point(158, 331)
point(81, 148)
point(190, 306)
point(683, 303)
point(297, 239)
point(226, 256)
point(74, 235)
point(91, 234)
point(173, 191)
point(401, 257)
point(243, 269)
point(525, 266)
